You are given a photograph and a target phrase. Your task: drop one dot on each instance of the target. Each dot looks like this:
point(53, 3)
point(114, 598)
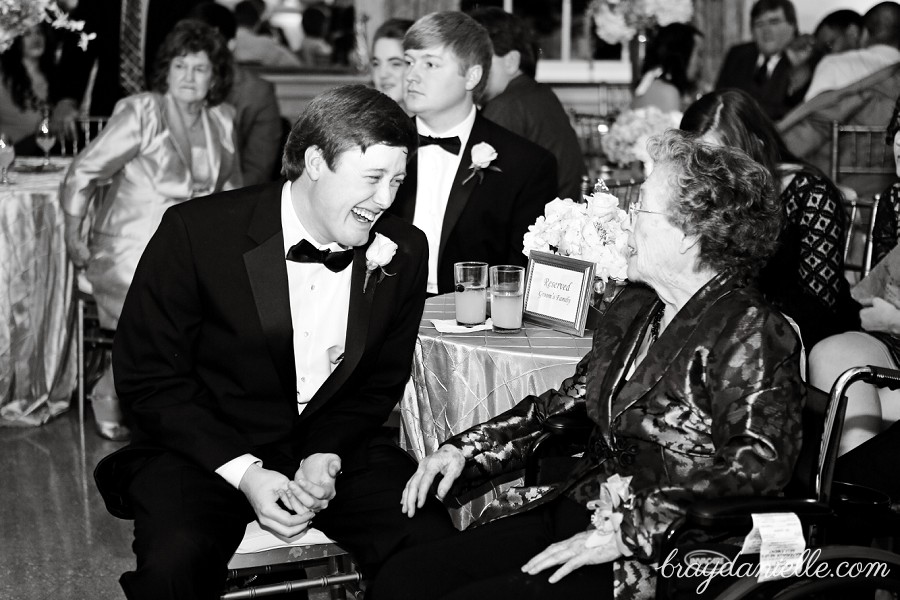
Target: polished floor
point(56, 538)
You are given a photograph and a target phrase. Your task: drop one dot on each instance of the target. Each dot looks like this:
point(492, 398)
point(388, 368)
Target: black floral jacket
point(713, 410)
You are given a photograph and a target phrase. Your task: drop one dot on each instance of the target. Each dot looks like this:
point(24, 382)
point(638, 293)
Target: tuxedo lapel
point(405, 203)
point(357, 331)
point(267, 272)
point(460, 193)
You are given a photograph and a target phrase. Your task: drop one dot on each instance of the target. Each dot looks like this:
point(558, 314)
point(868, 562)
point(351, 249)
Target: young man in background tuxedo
point(473, 187)
point(266, 337)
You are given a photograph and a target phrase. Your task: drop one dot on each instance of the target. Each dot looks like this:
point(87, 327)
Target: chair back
point(858, 245)
point(860, 151)
point(87, 128)
point(590, 129)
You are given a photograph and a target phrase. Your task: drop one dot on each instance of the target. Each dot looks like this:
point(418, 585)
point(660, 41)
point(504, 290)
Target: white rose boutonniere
point(483, 154)
point(378, 255)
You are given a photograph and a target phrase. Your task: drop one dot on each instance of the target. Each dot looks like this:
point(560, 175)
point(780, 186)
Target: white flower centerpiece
point(18, 16)
point(618, 21)
point(627, 139)
point(590, 230)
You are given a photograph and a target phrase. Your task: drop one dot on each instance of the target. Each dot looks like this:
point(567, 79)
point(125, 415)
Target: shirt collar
point(293, 230)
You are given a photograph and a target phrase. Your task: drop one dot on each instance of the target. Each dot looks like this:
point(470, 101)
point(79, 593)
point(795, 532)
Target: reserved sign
point(558, 291)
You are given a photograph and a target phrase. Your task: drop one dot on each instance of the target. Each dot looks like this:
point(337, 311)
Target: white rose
point(380, 252)
point(558, 208)
point(602, 205)
point(483, 154)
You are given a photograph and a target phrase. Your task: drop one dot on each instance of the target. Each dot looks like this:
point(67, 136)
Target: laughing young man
point(265, 339)
point(474, 187)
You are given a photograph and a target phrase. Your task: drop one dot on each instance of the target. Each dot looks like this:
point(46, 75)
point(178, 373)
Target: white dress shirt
point(436, 171)
point(837, 71)
point(320, 301)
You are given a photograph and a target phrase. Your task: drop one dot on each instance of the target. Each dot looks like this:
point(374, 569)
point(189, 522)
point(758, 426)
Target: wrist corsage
point(615, 492)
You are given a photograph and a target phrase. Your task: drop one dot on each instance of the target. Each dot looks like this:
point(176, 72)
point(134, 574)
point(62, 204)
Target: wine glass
point(7, 155)
point(45, 138)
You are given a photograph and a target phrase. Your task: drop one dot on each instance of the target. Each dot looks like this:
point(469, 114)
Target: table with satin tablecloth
point(37, 368)
point(463, 379)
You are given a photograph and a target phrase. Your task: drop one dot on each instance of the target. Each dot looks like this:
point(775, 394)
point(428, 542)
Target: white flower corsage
point(606, 520)
point(379, 254)
point(483, 154)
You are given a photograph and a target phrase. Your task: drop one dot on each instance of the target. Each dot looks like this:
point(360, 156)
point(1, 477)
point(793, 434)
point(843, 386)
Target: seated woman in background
point(671, 69)
point(27, 68)
point(158, 149)
point(805, 278)
point(388, 64)
point(870, 411)
point(676, 412)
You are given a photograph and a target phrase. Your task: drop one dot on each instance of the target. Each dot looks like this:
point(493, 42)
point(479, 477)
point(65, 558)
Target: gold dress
point(144, 154)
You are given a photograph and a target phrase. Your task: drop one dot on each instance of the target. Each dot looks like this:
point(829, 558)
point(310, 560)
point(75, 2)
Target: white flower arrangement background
point(627, 139)
point(590, 231)
point(617, 21)
point(18, 16)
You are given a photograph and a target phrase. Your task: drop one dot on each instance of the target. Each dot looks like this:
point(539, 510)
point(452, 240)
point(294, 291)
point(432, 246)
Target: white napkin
point(450, 326)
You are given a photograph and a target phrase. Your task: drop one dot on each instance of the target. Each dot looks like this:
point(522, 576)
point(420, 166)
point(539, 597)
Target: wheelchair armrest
point(737, 511)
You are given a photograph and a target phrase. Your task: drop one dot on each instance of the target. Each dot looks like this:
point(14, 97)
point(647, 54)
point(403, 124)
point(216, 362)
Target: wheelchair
point(839, 519)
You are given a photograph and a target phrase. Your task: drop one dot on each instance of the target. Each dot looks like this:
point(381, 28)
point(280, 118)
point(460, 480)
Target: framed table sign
point(558, 292)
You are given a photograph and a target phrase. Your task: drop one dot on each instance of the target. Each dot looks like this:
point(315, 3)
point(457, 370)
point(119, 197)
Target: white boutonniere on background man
point(483, 154)
point(378, 255)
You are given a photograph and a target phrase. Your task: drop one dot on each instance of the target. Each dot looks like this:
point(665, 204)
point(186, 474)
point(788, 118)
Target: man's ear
point(512, 62)
point(314, 162)
point(473, 76)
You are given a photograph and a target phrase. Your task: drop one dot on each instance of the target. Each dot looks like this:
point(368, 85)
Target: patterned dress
point(713, 410)
point(805, 278)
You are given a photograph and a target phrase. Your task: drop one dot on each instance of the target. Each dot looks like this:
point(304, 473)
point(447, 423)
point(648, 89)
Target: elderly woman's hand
point(448, 461)
point(572, 554)
point(76, 246)
point(881, 316)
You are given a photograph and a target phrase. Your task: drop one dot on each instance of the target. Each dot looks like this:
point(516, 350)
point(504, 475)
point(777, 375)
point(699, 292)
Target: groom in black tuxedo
point(266, 336)
point(474, 187)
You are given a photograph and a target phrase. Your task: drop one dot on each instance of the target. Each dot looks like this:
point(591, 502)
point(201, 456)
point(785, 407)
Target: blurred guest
point(677, 414)
point(805, 278)
point(871, 434)
point(159, 148)
point(868, 101)
point(129, 33)
point(880, 49)
point(388, 64)
point(837, 32)
point(315, 51)
point(473, 187)
point(257, 115)
point(257, 48)
point(26, 68)
point(762, 68)
point(522, 105)
point(671, 69)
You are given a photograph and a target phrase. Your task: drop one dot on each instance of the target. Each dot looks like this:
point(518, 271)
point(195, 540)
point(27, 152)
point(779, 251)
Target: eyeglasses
point(634, 208)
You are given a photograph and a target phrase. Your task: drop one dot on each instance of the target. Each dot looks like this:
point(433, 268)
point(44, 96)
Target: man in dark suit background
point(105, 19)
point(763, 67)
point(524, 106)
point(257, 115)
point(257, 360)
point(473, 187)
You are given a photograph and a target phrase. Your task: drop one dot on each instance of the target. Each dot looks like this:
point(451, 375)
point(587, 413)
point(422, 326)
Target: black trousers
point(486, 562)
point(189, 521)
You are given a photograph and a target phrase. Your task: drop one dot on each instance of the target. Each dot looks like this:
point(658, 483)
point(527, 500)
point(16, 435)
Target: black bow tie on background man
point(450, 144)
point(305, 252)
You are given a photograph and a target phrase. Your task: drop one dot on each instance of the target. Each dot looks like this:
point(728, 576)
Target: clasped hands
point(287, 506)
point(570, 554)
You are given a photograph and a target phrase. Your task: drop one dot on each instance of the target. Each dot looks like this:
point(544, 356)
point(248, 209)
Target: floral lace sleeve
point(502, 444)
point(887, 233)
point(815, 205)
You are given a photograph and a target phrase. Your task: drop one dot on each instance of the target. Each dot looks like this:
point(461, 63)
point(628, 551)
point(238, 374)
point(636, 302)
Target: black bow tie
point(450, 144)
point(305, 252)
